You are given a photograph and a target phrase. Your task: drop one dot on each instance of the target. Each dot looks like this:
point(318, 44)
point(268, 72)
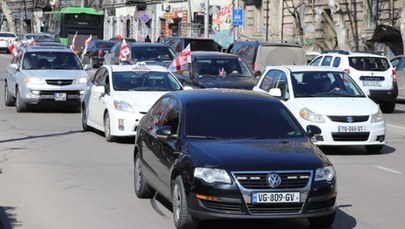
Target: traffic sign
point(237, 17)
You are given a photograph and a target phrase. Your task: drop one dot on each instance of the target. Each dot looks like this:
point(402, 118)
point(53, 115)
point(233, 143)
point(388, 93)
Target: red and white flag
point(180, 63)
point(11, 45)
point(86, 44)
point(73, 46)
point(124, 51)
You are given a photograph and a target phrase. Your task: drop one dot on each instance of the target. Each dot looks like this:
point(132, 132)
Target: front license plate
point(60, 97)
point(276, 197)
point(372, 83)
point(352, 129)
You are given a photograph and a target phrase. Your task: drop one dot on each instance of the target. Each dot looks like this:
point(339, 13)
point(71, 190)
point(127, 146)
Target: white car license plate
point(60, 97)
point(352, 129)
point(276, 197)
point(372, 83)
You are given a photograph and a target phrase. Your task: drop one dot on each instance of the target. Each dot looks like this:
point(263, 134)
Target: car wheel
point(107, 129)
point(8, 99)
point(322, 221)
point(387, 107)
point(84, 119)
point(374, 148)
point(142, 188)
point(181, 216)
point(20, 105)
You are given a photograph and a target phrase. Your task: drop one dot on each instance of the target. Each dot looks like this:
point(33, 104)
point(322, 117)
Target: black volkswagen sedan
point(232, 154)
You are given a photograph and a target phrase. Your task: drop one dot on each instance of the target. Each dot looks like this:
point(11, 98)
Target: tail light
point(100, 52)
point(394, 76)
point(347, 71)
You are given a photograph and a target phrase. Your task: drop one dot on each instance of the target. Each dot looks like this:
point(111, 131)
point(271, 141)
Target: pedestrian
point(147, 39)
point(161, 38)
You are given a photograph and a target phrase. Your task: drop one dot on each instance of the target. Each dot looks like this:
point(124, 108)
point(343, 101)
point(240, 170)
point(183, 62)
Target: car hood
point(248, 155)
point(339, 106)
point(139, 100)
point(55, 73)
point(227, 82)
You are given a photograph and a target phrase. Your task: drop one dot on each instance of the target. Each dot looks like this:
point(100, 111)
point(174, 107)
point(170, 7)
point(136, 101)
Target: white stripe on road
point(396, 126)
point(388, 169)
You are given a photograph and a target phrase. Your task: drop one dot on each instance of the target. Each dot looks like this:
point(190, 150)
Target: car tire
point(107, 129)
point(84, 119)
point(20, 105)
point(181, 217)
point(142, 188)
point(387, 107)
point(374, 148)
point(8, 99)
point(322, 221)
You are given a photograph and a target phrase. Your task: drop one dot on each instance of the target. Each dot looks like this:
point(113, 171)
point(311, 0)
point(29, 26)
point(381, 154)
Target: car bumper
point(379, 96)
point(124, 123)
point(235, 202)
point(374, 134)
point(36, 94)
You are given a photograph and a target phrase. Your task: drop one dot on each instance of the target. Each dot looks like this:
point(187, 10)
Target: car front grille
point(349, 119)
point(359, 136)
point(59, 82)
point(289, 180)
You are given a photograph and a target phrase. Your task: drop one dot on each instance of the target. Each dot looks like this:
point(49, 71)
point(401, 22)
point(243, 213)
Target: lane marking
point(396, 126)
point(388, 169)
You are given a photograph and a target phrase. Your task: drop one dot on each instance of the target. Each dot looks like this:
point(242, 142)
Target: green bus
point(71, 20)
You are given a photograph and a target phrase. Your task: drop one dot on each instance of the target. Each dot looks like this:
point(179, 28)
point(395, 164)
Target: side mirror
point(187, 88)
point(257, 74)
point(164, 132)
point(14, 67)
point(87, 67)
point(99, 89)
point(276, 92)
point(313, 130)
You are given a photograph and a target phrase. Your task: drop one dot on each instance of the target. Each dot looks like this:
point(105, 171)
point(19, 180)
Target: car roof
point(209, 95)
point(349, 53)
point(212, 54)
point(132, 67)
point(147, 44)
point(303, 68)
point(46, 48)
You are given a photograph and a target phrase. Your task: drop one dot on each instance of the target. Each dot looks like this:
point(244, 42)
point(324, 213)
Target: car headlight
point(81, 80)
point(377, 117)
point(123, 106)
point(326, 173)
point(34, 80)
point(309, 115)
point(211, 175)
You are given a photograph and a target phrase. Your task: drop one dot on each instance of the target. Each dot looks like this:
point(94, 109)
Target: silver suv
point(373, 72)
point(44, 74)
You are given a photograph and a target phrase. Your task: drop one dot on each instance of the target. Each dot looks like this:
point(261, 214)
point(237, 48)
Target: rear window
point(144, 53)
point(280, 55)
point(369, 63)
point(202, 45)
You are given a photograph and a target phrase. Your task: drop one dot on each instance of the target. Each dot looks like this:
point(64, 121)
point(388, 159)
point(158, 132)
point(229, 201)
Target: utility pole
point(206, 17)
point(267, 20)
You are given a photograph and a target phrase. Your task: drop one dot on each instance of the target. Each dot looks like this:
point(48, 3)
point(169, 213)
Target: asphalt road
point(54, 175)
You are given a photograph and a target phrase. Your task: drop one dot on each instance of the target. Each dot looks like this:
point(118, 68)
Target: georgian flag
point(124, 50)
point(11, 45)
point(86, 44)
point(180, 63)
point(73, 46)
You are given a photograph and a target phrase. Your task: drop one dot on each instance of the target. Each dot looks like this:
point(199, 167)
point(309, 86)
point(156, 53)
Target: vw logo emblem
point(274, 180)
point(349, 119)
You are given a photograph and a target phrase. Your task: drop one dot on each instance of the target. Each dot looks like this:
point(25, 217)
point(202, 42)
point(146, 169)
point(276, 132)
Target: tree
point(402, 26)
point(342, 34)
point(10, 19)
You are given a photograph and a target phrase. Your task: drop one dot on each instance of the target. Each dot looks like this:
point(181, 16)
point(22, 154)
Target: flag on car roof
point(124, 51)
point(180, 63)
point(11, 45)
point(86, 43)
point(72, 46)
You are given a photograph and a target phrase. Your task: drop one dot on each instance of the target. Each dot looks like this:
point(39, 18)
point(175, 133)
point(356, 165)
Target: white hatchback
point(330, 99)
point(118, 96)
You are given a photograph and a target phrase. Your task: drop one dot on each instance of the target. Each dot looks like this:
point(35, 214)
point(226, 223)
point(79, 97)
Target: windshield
point(144, 81)
point(156, 53)
point(218, 119)
point(51, 60)
point(324, 84)
point(220, 67)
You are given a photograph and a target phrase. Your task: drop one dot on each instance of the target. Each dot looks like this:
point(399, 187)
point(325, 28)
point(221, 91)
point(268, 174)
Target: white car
point(118, 96)
point(4, 37)
point(330, 99)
